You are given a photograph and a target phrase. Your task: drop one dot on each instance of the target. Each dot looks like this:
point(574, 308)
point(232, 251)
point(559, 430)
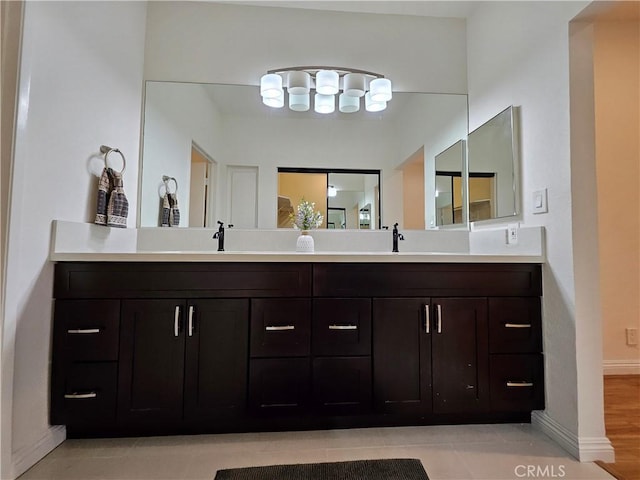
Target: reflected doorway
point(201, 195)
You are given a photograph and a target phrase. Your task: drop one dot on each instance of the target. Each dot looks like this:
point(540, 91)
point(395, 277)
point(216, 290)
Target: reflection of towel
point(118, 206)
point(170, 210)
point(113, 206)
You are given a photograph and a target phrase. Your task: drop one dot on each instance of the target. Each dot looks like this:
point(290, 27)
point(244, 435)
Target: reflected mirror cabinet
point(230, 155)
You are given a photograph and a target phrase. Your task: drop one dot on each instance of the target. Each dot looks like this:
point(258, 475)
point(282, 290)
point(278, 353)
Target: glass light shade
point(380, 90)
point(298, 83)
point(348, 104)
point(274, 102)
point(331, 191)
point(299, 103)
point(372, 106)
point(327, 82)
point(271, 85)
point(355, 84)
point(324, 103)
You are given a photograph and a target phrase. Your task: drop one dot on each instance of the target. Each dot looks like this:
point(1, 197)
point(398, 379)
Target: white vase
point(305, 242)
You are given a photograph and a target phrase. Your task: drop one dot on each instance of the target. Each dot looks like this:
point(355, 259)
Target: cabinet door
point(151, 369)
point(217, 336)
point(460, 355)
point(401, 355)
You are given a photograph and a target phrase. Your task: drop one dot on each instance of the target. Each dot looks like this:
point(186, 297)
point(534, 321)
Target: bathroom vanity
point(164, 347)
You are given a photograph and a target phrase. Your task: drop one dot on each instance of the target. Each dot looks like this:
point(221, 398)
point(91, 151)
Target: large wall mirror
point(224, 148)
point(493, 168)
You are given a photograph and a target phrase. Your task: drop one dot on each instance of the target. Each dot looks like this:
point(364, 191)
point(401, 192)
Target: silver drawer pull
point(176, 321)
point(81, 395)
point(517, 325)
point(343, 327)
point(427, 320)
point(277, 328)
point(519, 384)
point(191, 310)
point(76, 331)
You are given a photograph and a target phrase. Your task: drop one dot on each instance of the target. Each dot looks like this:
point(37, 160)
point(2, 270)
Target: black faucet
point(396, 236)
point(220, 236)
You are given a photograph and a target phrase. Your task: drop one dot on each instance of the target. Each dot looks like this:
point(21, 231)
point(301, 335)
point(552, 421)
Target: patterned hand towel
point(104, 190)
point(170, 210)
point(118, 206)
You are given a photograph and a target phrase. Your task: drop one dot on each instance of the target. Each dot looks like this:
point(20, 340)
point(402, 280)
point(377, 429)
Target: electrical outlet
point(512, 234)
point(632, 336)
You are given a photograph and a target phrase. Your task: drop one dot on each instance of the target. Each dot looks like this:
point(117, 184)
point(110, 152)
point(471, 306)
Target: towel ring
point(166, 179)
point(107, 150)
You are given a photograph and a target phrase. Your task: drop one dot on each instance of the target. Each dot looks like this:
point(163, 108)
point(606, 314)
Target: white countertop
point(84, 242)
point(231, 256)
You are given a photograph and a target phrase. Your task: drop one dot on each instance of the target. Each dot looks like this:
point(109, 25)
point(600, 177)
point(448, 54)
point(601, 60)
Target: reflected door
point(200, 194)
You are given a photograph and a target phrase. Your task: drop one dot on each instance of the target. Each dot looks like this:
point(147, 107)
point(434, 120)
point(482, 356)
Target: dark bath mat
point(391, 469)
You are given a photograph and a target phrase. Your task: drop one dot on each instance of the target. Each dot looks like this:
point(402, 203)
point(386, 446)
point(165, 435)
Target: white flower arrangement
point(306, 218)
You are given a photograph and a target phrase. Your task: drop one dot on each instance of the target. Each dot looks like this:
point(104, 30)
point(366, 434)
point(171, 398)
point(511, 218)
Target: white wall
point(200, 42)
point(80, 87)
point(531, 70)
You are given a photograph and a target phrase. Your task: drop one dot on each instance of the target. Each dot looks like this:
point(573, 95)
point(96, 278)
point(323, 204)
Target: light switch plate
point(540, 201)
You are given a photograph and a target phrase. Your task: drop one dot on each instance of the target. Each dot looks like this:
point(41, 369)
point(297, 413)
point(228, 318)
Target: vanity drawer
point(181, 280)
point(515, 325)
point(426, 279)
point(87, 330)
point(341, 326)
point(279, 385)
point(280, 327)
point(516, 382)
point(89, 396)
point(342, 385)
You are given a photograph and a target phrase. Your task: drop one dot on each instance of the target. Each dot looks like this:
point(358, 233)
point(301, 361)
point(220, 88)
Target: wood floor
point(622, 421)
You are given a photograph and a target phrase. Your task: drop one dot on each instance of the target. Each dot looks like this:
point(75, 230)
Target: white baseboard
point(26, 457)
point(585, 449)
point(621, 367)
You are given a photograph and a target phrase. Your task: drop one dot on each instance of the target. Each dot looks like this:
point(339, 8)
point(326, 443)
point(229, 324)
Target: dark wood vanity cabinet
point(182, 360)
point(310, 356)
point(431, 355)
point(84, 369)
point(167, 348)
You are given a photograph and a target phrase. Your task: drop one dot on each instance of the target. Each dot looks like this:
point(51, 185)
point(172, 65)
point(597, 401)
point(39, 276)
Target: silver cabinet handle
point(517, 325)
point(427, 321)
point(83, 331)
point(176, 321)
point(343, 327)
point(81, 395)
point(439, 317)
point(519, 384)
point(191, 320)
point(276, 328)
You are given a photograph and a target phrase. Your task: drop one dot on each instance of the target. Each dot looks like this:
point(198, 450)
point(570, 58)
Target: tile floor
point(489, 452)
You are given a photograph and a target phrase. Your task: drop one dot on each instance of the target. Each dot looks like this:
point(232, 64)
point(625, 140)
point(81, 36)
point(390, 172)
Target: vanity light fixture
point(331, 191)
point(327, 82)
